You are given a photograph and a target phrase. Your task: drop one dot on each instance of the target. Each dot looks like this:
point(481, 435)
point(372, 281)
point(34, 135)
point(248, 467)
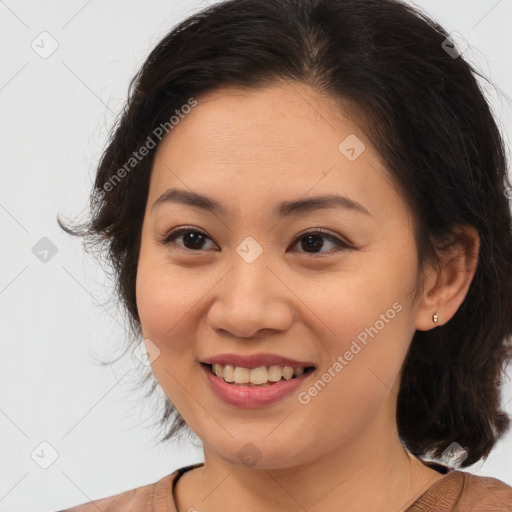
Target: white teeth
point(298, 371)
point(274, 373)
point(217, 369)
point(287, 372)
point(256, 376)
point(241, 375)
point(229, 373)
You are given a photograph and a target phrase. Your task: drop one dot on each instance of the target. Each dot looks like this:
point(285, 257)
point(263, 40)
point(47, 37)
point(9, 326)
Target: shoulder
point(460, 491)
point(140, 498)
point(484, 491)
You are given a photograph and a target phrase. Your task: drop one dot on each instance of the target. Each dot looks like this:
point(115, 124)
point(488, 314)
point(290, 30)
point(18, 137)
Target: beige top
point(456, 491)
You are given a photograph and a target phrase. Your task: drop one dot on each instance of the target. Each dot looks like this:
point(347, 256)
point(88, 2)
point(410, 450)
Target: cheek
point(165, 301)
point(154, 300)
point(367, 327)
point(360, 378)
point(166, 307)
point(361, 304)
point(371, 349)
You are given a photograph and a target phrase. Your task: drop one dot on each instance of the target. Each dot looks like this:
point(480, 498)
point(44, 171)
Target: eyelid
point(174, 233)
point(318, 230)
point(341, 243)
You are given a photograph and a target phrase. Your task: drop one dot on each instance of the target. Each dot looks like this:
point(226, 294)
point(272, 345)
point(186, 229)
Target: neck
point(373, 473)
point(365, 468)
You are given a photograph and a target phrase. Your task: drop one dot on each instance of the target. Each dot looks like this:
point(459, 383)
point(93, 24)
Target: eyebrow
point(284, 209)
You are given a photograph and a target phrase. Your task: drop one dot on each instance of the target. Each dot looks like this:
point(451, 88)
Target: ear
point(446, 287)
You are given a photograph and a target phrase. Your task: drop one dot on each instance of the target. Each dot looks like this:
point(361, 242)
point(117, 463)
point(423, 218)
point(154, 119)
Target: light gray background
point(55, 324)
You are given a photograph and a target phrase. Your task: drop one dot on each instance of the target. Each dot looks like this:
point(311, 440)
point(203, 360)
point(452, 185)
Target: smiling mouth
point(259, 377)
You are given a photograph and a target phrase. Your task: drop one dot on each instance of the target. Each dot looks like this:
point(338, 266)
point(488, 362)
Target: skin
point(251, 150)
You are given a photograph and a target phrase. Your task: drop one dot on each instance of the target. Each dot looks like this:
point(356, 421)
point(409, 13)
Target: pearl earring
point(435, 318)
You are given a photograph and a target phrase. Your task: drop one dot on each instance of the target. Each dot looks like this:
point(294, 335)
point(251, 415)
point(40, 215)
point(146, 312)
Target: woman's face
point(245, 279)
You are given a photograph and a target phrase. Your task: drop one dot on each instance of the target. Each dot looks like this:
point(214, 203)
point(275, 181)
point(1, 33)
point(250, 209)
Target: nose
point(252, 297)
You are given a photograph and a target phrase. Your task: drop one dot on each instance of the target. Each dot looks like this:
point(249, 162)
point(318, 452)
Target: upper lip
point(255, 360)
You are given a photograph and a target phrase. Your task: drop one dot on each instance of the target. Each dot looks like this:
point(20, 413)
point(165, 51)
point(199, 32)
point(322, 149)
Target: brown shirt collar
point(456, 491)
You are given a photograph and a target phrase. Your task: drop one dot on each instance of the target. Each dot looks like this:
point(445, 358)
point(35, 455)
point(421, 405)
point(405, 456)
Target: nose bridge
point(250, 274)
point(252, 297)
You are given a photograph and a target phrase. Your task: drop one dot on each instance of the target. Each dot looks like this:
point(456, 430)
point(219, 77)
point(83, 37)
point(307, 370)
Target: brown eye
point(313, 241)
point(191, 238)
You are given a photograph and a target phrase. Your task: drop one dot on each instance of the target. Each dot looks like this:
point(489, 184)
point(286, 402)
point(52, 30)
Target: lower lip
point(251, 397)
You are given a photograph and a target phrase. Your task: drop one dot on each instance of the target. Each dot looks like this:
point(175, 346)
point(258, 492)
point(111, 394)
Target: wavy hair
point(422, 108)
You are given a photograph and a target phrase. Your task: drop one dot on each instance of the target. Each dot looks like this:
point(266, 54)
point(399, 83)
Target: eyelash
point(317, 232)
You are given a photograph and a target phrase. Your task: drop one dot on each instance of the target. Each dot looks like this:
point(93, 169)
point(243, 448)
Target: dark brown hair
point(425, 113)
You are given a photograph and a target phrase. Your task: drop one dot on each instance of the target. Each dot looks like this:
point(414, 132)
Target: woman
point(305, 202)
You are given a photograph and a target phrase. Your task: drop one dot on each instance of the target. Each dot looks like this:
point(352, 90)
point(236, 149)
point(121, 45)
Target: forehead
point(280, 140)
point(268, 119)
